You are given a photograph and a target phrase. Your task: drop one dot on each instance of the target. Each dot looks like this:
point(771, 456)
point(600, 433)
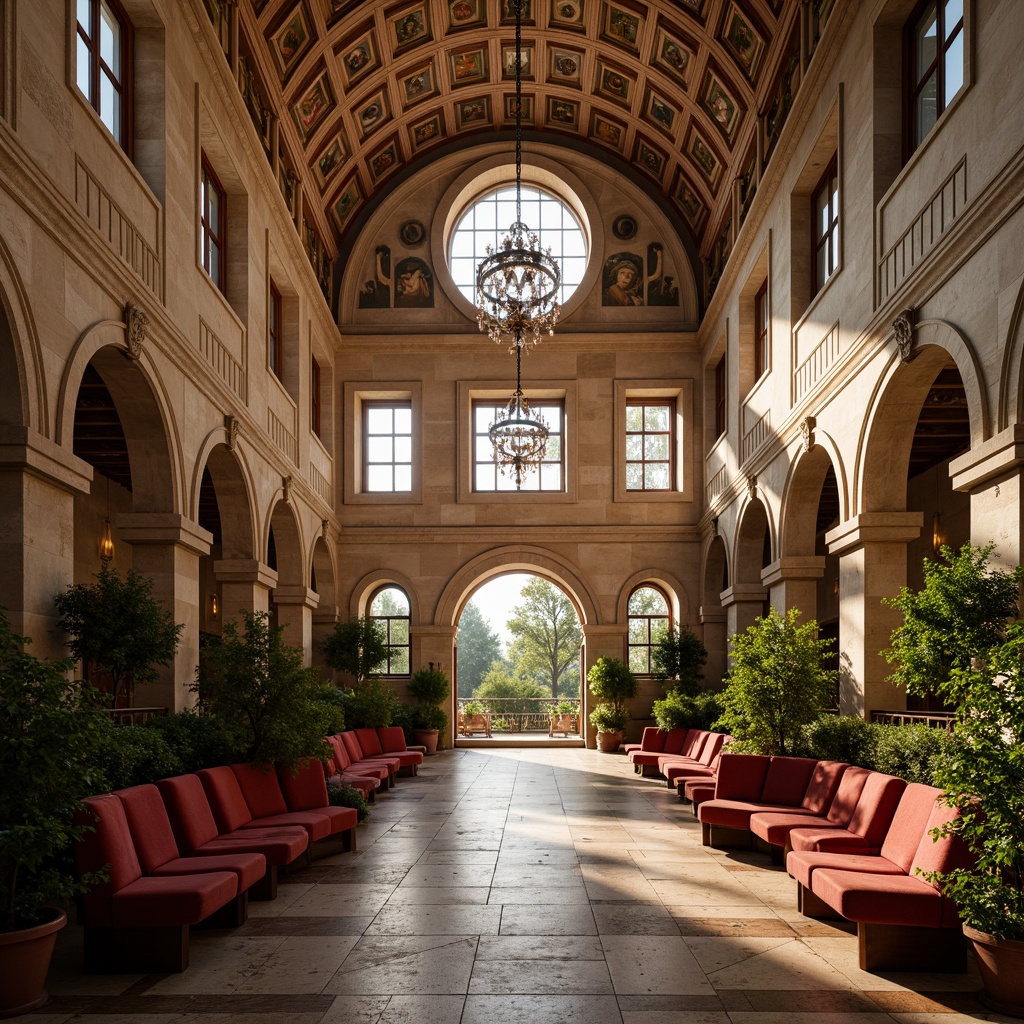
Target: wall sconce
point(936, 534)
point(213, 605)
point(835, 586)
point(106, 545)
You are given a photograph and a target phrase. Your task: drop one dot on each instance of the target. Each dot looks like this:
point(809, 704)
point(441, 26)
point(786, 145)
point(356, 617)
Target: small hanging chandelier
point(517, 283)
point(520, 438)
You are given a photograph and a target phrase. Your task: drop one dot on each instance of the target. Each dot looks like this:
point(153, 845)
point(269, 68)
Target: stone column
point(598, 642)
point(295, 606)
point(715, 643)
point(872, 549)
point(992, 475)
point(38, 484)
point(245, 585)
point(167, 547)
point(743, 603)
point(792, 582)
point(436, 644)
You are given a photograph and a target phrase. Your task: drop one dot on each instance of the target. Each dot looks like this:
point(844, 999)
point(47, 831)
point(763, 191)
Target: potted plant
point(50, 730)
point(612, 683)
point(562, 718)
point(961, 620)
point(431, 688)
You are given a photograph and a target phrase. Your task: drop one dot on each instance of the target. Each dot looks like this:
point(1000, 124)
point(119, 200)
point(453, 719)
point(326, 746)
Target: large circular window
point(487, 220)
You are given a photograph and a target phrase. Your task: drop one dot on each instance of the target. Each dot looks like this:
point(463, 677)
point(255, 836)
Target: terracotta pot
point(428, 738)
point(1001, 965)
point(608, 742)
point(24, 960)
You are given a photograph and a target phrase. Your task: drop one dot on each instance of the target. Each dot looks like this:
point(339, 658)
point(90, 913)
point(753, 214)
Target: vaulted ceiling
point(669, 90)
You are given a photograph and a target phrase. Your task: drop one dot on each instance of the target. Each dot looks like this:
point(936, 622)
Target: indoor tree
point(115, 625)
point(546, 635)
point(778, 683)
point(357, 647)
point(678, 659)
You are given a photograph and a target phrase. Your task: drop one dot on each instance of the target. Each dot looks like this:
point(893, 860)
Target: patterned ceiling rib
point(672, 87)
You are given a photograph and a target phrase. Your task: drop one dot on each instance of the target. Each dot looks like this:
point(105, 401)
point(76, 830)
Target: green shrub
point(846, 738)
point(609, 718)
point(197, 741)
point(371, 705)
point(358, 647)
point(473, 707)
point(913, 752)
point(564, 707)
point(678, 711)
point(678, 659)
point(405, 716)
point(341, 794)
point(132, 755)
point(429, 685)
point(430, 716)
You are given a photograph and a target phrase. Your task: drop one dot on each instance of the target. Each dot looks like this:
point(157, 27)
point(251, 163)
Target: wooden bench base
point(136, 950)
point(724, 837)
point(894, 947)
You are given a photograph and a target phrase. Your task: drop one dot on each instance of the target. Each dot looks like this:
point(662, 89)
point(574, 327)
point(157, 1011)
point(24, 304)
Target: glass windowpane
point(656, 477)
point(399, 661)
point(634, 447)
point(656, 417)
point(638, 660)
point(634, 476)
point(403, 420)
point(634, 417)
point(954, 67)
point(380, 449)
point(379, 478)
point(378, 420)
point(83, 70)
point(403, 478)
point(656, 447)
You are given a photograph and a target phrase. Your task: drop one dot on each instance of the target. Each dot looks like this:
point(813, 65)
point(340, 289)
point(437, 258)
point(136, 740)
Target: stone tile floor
point(548, 886)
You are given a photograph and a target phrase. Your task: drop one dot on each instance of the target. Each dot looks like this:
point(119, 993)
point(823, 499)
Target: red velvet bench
point(137, 923)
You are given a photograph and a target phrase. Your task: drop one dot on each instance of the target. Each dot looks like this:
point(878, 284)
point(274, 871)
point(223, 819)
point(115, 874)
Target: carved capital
point(807, 425)
point(136, 329)
point(903, 329)
point(231, 427)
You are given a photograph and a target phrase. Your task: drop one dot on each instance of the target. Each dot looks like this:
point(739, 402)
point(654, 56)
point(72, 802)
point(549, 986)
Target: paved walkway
point(542, 886)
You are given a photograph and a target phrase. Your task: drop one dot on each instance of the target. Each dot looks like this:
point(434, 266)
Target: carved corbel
point(903, 329)
point(286, 487)
point(807, 425)
point(136, 329)
point(231, 426)
point(751, 486)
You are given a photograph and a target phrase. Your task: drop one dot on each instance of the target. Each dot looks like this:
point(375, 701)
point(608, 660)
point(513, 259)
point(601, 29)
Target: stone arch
point(715, 571)
point(748, 547)
point(232, 481)
point(321, 565)
point(887, 432)
point(22, 389)
point(514, 558)
point(801, 494)
point(1011, 379)
point(359, 600)
point(679, 604)
point(143, 406)
point(290, 565)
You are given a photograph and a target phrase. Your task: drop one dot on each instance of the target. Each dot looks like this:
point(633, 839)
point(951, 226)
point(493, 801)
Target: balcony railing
point(520, 714)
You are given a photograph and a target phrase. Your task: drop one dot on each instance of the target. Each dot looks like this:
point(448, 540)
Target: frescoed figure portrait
point(623, 280)
point(414, 284)
point(376, 292)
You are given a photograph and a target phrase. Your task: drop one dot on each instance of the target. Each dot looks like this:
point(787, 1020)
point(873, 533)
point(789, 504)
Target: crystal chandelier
point(520, 437)
point(517, 283)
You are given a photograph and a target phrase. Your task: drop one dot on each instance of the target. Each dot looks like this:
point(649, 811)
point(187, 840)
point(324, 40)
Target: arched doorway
point(712, 612)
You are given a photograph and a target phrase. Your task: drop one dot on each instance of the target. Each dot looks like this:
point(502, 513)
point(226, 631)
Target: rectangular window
point(213, 219)
point(387, 446)
point(649, 445)
point(825, 226)
point(934, 58)
point(549, 476)
point(761, 332)
point(720, 393)
point(314, 395)
point(104, 59)
point(275, 341)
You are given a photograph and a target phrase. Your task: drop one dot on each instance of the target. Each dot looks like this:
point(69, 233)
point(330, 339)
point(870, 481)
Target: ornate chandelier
point(520, 437)
point(517, 283)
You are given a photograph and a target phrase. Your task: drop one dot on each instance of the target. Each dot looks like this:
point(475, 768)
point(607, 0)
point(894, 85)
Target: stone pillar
point(598, 642)
point(713, 618)
point(324, 619)
point(38, 484)
point(872, 549)
point(245, 585)
point(436, 644)
point(167, 547)
point(992, 475)
point(295, 605)
point(792, 582)
point(743, 603)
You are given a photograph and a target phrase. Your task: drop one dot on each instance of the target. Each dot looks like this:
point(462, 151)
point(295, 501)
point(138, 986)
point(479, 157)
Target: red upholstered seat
point(674, 740)
point(359, 756)
point(196, 831)
point(157, 849)
point(741, 776)
point(392, 743)
point(306, 790)
point(341, 754)
point(652, 740)
point(867, 825)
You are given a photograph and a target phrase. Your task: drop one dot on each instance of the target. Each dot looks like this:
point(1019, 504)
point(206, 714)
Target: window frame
point(387, 620)
point(915, 79)
point(678, 391)
point(369, 406)
point(497, 405)
point(721, 397)
point(314, 395)
point(275, 331)
point(831, 239)
point(98, 68)
point(650, 643)
point(644, 404)
point(762, 332)
point(208, 179)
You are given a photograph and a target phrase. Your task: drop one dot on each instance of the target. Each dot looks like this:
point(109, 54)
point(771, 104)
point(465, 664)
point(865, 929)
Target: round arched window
point(390, 609)
point(649, 621)
point(486, 221)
